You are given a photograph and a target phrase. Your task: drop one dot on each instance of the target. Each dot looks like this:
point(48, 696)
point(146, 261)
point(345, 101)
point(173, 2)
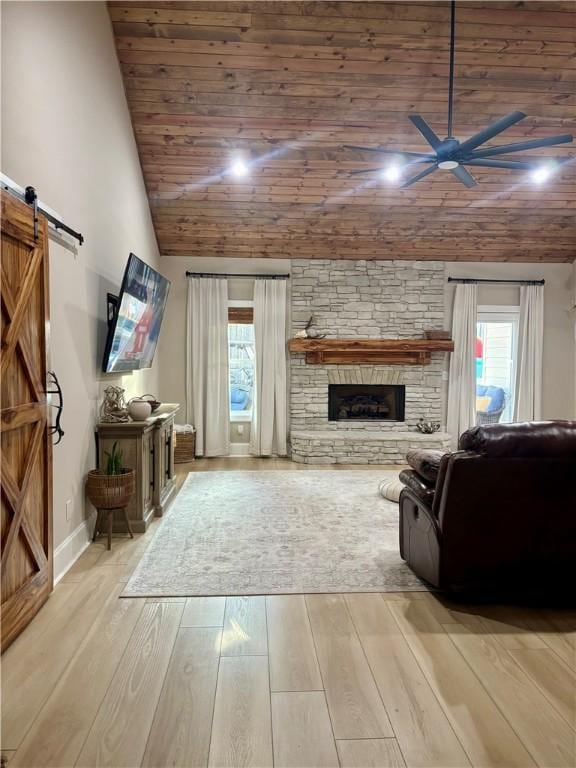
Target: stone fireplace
point(366, 402)
point(365, 300)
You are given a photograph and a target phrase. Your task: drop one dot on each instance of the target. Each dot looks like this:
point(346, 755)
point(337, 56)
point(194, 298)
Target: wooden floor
point(356, 680)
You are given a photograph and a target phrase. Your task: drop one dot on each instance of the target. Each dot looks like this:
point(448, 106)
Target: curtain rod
point(228, 274)
point(506, 282)
point(28, 195)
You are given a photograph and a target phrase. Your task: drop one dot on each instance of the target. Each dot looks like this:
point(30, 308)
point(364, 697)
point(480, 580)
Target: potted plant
point(113, 487)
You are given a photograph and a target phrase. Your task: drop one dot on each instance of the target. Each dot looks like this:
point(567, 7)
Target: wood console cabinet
point(147, 447)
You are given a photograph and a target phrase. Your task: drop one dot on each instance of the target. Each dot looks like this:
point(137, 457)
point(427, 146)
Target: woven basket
point(110, 491)
point(185, 447)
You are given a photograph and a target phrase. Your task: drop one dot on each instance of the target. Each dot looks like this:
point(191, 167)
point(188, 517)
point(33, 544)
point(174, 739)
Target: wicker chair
point(488, 418)
point(495, 408)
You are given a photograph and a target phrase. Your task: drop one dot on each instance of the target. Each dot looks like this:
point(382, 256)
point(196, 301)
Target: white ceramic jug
point(139, 409)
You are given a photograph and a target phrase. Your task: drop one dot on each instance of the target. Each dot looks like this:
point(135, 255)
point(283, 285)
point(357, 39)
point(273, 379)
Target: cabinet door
point(161, 460)
point(169, 451)
point(147, 480)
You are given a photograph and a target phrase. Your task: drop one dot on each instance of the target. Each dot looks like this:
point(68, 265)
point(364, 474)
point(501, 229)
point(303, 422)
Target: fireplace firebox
point(366, 402)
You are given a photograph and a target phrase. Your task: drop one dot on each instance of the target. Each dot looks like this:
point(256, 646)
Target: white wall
point(559, 396)
point(67, 131)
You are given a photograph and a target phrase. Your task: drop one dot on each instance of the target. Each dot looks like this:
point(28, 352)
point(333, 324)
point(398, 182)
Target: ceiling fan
point(452, 155)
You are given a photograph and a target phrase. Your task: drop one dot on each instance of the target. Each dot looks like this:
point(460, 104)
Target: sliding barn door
point(26, 452)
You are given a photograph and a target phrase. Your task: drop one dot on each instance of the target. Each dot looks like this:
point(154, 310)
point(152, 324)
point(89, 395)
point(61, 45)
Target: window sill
point(236, 416)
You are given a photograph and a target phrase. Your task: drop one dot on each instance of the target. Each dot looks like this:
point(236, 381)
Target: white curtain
point(269, 412)
point(207, 385)
point(462, 377)
point(528, 404)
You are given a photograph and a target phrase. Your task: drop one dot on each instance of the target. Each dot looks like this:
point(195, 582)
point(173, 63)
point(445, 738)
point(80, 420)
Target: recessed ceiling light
point(448, 165)
point(392, 173)
point(239, 168)
point(541, 174)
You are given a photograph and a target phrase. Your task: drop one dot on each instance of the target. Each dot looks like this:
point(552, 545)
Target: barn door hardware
point(56, 428)
point(29, 196)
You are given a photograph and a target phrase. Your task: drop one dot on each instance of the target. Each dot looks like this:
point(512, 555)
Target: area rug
point(275, 532)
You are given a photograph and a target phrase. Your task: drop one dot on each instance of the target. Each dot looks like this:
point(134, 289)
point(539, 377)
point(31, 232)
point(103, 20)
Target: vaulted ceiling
point(287, 84)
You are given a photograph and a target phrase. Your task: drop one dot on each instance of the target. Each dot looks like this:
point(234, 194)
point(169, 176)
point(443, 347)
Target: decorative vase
point(139, 409)
point(110, 491)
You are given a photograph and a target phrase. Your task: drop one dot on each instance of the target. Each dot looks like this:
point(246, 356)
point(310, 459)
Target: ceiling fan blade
point(519, 146)
point(389, 151)
point(423, 159)
point(511, 165)
point(419, 176)
point(462, 175)
point(425, 130)
point(490, 131)
point(416, 161)
point(364, 170)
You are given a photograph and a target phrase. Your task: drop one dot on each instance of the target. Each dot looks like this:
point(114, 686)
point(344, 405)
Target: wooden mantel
point(354, 351)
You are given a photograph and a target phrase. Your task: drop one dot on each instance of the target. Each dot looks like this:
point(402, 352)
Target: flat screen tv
point(135, 326)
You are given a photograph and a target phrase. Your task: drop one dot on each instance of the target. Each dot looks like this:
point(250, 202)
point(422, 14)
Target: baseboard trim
point(66, 553)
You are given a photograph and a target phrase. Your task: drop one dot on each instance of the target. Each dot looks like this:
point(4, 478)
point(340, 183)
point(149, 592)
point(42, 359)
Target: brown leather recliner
point(498, 514)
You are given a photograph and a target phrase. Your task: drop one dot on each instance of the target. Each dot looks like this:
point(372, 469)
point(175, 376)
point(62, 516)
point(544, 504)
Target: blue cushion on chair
point(496, 394)
point(238, 399)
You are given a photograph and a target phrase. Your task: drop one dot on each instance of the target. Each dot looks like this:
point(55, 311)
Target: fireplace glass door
point(366, 402)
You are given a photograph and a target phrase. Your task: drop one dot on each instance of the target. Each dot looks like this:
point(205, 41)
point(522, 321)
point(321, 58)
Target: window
point(496, 342)
point(241, 363)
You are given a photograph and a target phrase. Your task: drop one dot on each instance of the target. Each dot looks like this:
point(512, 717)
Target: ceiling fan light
point(239, 168)
point(392, 173)
point(448, 165)
point(541, 174)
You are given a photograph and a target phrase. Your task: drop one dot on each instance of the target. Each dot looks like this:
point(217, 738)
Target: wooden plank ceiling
point(286, 84)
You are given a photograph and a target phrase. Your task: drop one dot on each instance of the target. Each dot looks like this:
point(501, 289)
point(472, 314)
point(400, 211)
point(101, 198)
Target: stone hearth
point(357, 446)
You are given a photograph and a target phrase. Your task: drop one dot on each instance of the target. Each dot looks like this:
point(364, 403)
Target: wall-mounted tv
point(135, 326)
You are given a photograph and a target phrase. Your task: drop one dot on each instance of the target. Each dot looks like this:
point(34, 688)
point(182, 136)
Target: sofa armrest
point(426, 463)
point(418, 485)
point(420, 537)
